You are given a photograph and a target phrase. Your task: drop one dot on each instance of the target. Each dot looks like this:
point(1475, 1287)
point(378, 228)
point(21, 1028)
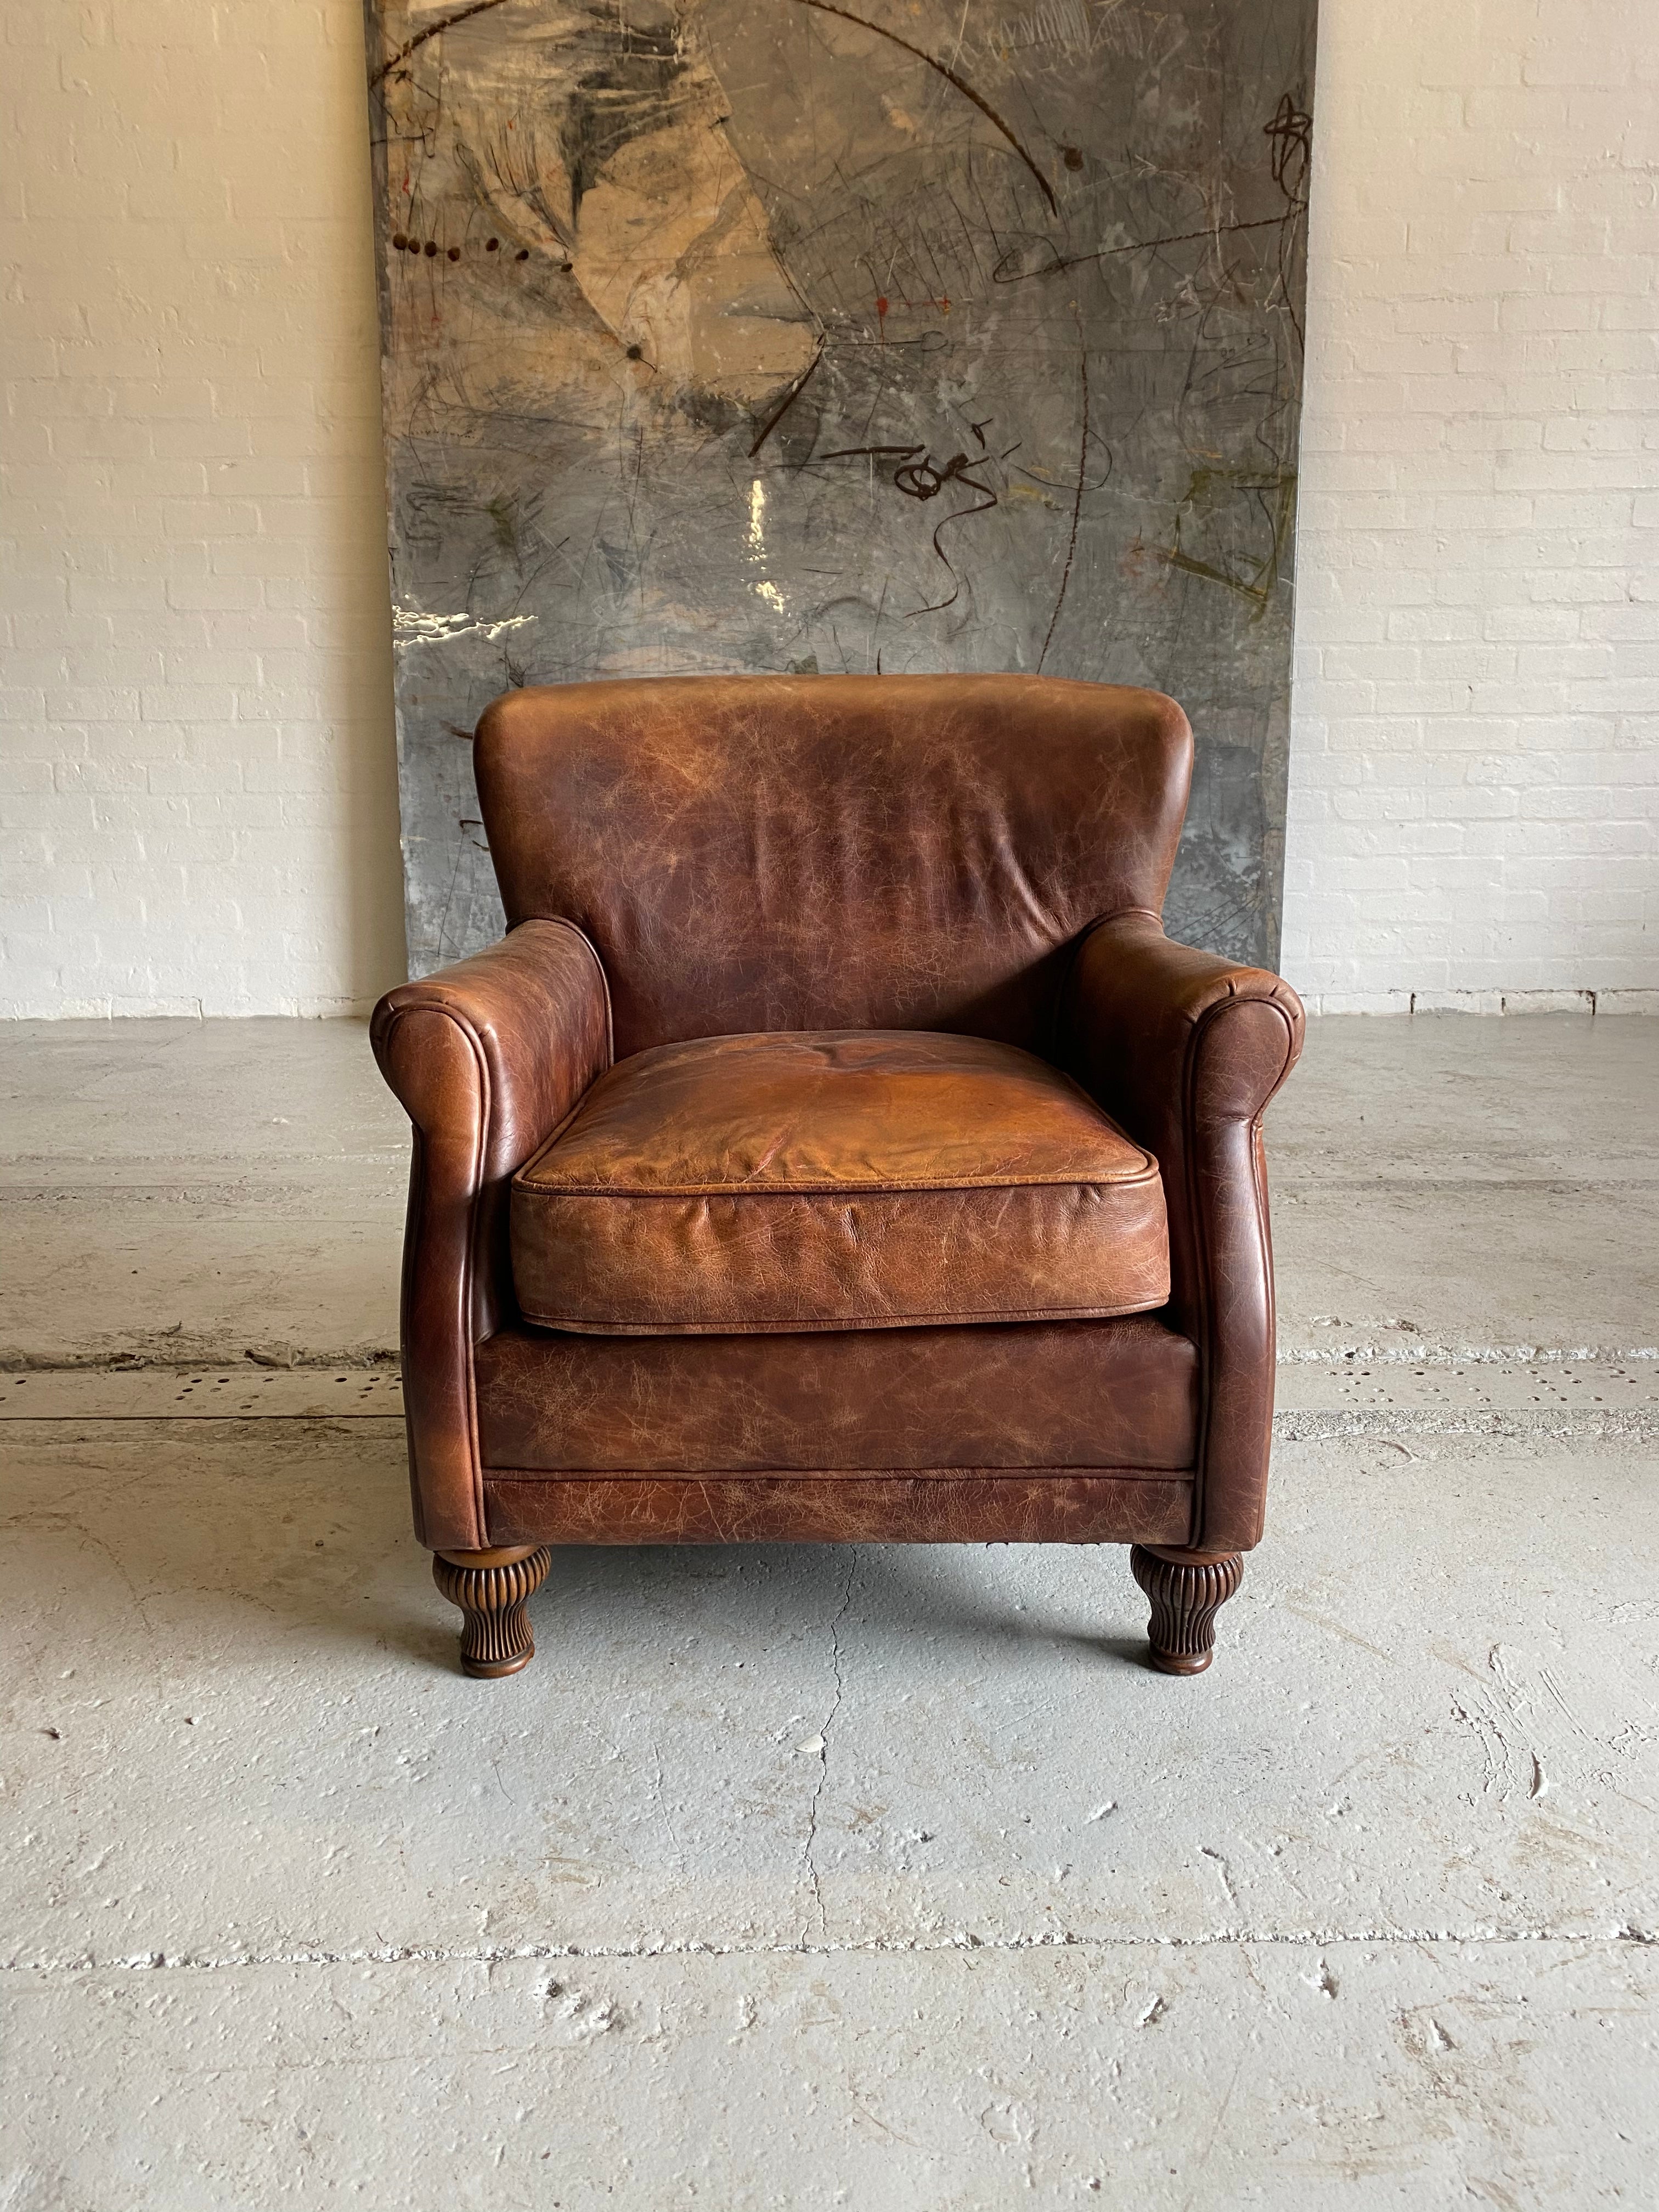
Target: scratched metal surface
point(923, 335)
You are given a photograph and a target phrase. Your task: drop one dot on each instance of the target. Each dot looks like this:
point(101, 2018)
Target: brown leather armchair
point(836, 1148)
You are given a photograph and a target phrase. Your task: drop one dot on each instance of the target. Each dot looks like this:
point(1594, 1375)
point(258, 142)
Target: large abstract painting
point(906, 335)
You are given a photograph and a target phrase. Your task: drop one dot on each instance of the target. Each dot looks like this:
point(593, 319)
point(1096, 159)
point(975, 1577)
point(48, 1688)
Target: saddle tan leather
point(730, 862)
point(1076, 1395)
point(839, 1179)
point(833, 852)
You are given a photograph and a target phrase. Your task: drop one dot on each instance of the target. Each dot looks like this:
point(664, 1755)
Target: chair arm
point(1184, 1050)
point(487, 1057)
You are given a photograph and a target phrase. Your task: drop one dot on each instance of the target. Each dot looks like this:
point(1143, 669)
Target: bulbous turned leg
point(1187, 1589)
point(490, 1588)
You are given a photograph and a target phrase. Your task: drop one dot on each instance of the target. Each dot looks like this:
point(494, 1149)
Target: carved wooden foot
point(1186, 1590)
point(490, 1588)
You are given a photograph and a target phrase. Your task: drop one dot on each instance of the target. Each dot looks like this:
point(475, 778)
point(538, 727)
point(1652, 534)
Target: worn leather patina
point(839, 1179)
point(945, 1505)
point(784, 873)
point(1185, 1049)
point(775, 852)
point(1120, 1393)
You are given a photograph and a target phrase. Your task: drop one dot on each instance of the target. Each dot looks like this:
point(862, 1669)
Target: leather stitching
point(807, 1324)
point(629, 1193)
point(470, 1260)
point(1199, 1216)
point(496, 1475)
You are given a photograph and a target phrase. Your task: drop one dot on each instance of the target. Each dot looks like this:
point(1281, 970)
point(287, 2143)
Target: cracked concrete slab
point(176, 1191)
point(876, 1877)
point(1468, 1183)
point(778, 1745)
point(1375, 2075)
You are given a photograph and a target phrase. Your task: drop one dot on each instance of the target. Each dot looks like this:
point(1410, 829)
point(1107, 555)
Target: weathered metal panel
point(909, 335)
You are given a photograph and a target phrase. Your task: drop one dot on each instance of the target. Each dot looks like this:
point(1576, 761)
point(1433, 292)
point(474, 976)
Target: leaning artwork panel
point(777, 335)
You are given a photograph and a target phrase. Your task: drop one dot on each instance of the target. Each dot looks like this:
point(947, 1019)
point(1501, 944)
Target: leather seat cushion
point(842, 1179)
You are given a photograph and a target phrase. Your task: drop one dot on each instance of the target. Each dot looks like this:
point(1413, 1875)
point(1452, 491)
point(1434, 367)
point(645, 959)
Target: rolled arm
point(1184, 1050)
point(487, 1057)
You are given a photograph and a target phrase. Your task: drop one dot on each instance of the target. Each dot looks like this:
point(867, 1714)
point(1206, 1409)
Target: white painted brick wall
point(1475, 775)
point(197, 770)
point(198, 786)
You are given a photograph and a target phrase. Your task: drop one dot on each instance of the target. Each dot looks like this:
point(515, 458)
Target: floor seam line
point(893, 1947)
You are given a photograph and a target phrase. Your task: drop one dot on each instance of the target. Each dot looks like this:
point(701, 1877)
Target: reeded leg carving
point(1186, 1590)
point(490, 1588)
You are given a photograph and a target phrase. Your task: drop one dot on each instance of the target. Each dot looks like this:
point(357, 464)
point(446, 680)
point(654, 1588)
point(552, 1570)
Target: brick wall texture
point(1474, 776)
point(199, 789)
point(196, 786)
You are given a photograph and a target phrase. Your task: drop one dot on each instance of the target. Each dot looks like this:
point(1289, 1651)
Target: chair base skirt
point(1186, 1587)
point(1036, 1506)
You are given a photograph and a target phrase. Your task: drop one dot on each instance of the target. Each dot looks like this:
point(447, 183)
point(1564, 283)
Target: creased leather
point(842, 1179)
point(1057, 1506)
point(874, 852)
point(1185, 1050)
point(1121, 1393)
point(762, 854)
point(487, 1056)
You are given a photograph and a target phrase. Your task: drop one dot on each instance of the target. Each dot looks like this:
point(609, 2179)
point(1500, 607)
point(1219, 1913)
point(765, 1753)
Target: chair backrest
point(810, 852)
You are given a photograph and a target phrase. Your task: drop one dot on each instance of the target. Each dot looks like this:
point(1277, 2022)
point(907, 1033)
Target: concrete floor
point(805, 1877)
